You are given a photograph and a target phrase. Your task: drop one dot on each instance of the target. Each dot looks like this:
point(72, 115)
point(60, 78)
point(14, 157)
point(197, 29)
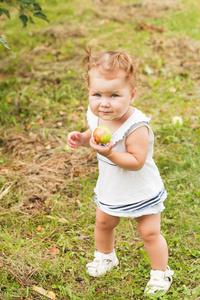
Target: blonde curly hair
point(109, 63)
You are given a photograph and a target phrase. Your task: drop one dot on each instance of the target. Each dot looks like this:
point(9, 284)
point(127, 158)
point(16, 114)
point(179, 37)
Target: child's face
point(110, 97)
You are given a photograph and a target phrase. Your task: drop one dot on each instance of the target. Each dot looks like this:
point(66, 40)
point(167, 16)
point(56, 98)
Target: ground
point(46, 191)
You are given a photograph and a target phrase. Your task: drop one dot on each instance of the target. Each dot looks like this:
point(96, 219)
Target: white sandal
point(159, 281)
point(102, 263)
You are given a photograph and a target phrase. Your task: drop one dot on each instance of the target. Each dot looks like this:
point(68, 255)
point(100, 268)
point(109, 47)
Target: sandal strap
point(102, 256)
point(160, 283)
point(97, 265)
point(102, 263)
point(169, 273)
point(162, 274)
point(159, 278)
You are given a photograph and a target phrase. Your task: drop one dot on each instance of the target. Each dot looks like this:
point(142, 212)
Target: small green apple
point(66, 148)
point(102, 134)
point(177, 120)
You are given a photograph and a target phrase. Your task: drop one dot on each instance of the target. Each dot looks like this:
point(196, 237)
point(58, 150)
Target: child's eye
point(114, 96)
point(97, 95)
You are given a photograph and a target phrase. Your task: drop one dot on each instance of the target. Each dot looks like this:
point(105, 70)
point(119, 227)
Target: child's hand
point(75, 139)
point(104, 150)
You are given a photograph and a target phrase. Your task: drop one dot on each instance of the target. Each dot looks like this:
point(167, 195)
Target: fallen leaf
point(41, 291)
point(2, 194)
point(99, 290)
point(28, 126)
point(59, 220)
point(51, 295)
point(80, 108)
point(39, 228)
point(33, 135)
point(40, 121)
point(104, 21)
point(73, 117)
point(4, 170)
point(54, 250)
point(149, 27)
point(77, 201)
point(77, 173)
point(51, 217)
point(62, 220)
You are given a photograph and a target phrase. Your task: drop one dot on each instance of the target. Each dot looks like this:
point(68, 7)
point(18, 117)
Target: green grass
point(43, 97)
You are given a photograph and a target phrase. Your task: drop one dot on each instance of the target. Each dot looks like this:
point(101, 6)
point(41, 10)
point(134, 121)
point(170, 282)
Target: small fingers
point(72, 147)
point(101, 148)
point(72, 140)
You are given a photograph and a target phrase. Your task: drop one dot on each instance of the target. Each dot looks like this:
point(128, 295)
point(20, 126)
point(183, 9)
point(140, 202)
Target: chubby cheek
point(118, 108)
point(93, 106)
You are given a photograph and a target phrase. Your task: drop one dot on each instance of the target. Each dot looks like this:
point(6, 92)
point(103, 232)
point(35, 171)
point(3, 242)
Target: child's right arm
point(75, 139)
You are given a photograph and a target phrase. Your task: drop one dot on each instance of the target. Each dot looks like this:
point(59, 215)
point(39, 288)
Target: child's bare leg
point(105, 231)
point(105, 257)
point(155, 243)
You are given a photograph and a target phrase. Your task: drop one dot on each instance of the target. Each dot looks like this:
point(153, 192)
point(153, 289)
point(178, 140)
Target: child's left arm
point(137, 149)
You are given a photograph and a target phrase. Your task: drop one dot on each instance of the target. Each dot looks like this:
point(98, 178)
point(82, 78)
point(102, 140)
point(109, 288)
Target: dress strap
point(136, 120)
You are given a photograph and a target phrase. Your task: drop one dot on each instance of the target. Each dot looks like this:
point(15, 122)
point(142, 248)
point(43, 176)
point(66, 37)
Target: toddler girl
point(129, 183)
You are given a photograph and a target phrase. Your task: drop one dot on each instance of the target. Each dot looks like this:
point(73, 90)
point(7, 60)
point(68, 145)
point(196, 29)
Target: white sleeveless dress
point(125, 193)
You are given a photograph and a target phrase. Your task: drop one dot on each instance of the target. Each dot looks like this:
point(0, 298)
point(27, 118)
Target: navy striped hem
point(135, 206)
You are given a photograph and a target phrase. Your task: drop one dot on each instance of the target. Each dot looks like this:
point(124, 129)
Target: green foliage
point(27, 10)
point(4, 11)
point(2, 40)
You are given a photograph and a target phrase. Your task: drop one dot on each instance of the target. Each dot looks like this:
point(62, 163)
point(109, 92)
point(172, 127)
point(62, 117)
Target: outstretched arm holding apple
point(133, 159)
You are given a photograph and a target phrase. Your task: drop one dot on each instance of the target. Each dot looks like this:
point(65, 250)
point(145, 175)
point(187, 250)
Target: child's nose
point(104, 102)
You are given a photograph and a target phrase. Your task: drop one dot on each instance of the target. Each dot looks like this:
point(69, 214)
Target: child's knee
point(148, 234)
point(102, 224)
point(106, 223)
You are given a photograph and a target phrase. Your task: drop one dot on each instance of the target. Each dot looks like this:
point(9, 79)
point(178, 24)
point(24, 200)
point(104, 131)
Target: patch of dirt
point(182, 56)
point(40, 67)
point(39, 169)
point(62, 31)
point(133, 11)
